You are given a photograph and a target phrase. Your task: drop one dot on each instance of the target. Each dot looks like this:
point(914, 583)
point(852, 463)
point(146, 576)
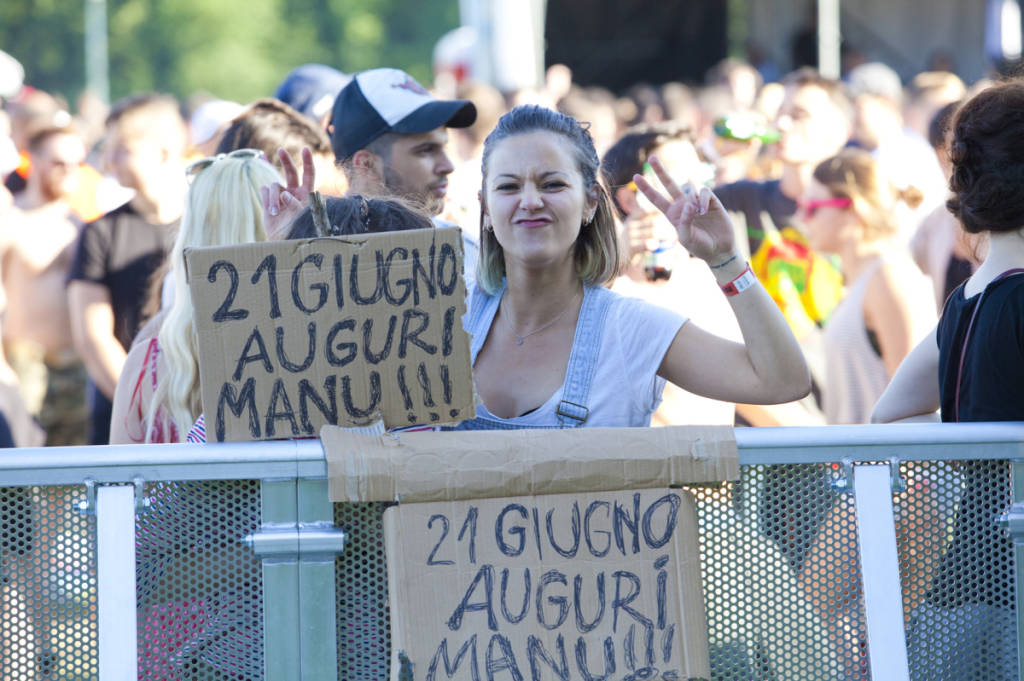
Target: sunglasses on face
point(203, 164)
point(812, 206)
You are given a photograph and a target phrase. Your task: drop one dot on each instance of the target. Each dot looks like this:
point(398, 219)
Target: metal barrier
point(244, 570)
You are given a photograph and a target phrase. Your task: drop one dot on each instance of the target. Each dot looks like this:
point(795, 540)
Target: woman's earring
point(487, 224)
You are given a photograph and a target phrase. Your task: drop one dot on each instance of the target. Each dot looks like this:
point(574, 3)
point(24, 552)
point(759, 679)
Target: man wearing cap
point(389, 136)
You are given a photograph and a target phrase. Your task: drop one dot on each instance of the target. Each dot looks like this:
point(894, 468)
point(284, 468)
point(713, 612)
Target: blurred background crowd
point(835, 169)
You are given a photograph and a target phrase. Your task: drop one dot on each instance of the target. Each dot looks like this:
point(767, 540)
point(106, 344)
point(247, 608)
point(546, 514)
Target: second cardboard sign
point(603, 585)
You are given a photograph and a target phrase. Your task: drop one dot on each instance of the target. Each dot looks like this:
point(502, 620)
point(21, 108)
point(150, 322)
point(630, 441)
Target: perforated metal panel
point(779, 556)
point(48, 627)
point(364, 631)
point(782, 577)
point(200, 604)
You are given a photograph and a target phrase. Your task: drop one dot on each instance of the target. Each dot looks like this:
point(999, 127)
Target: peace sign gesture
point(281, 205)
point(703, 226)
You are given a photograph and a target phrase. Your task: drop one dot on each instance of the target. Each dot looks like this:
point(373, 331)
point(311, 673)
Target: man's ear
point(626, 198)
point(367, 162)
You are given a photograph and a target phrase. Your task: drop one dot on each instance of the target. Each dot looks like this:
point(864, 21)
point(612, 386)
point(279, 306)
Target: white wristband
point(745, 280)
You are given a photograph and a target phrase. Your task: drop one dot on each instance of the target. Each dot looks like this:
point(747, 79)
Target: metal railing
point(239, 567)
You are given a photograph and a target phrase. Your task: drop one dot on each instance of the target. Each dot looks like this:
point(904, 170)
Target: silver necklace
point(520, 339)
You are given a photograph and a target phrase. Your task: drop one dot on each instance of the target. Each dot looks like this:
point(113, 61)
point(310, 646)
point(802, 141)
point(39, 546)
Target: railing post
point(298, 544)
point(281, 635)
point(880, 574)
point(115, 572)
point(319, 543)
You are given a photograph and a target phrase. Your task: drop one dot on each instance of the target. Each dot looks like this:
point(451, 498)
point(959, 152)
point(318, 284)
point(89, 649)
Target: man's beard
point(427, 202)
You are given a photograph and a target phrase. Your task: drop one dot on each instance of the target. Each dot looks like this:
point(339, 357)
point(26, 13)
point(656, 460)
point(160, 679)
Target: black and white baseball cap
point(390, 100)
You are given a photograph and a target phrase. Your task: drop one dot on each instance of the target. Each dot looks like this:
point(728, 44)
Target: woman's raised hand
point(281, 205)
point(703, 225)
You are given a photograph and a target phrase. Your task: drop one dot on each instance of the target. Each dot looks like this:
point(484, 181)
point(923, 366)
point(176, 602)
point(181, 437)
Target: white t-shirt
point(625, 389)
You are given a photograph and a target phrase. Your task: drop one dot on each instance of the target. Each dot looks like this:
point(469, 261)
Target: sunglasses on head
point(812, 206)
point(202, 164)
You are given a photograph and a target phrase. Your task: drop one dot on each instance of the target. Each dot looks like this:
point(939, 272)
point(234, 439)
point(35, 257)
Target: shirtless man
point(35, 251)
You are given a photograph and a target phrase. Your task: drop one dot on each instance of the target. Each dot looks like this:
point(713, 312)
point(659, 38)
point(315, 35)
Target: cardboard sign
point(571, 587)
point(501, 463)
point(294, 335)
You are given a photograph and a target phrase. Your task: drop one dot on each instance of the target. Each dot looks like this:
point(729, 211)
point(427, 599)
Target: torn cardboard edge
point(458, 465)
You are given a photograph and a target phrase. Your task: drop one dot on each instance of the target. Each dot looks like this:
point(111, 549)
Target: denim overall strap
point(482, 309)
point(573, 411)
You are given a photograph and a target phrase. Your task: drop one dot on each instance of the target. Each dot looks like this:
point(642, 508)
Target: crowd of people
point(95, 203)
point(774, 253)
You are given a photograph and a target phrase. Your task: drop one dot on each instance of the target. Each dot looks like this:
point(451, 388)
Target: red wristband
point(745, 280)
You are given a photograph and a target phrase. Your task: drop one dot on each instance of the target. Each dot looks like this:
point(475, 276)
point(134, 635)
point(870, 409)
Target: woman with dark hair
point(553, 348)
point(358, 215)
point(977, 354)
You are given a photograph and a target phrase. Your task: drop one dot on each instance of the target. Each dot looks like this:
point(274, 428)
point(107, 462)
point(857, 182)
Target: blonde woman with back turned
point(157, 397)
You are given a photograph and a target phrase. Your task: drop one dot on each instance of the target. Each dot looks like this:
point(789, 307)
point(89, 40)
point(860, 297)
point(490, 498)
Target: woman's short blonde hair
point(596, 253)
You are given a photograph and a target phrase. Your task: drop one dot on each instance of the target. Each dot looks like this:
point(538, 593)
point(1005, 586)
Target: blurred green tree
point(235, 49)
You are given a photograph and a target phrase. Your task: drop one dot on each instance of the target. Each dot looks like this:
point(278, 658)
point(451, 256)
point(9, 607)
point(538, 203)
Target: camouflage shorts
point(54, 392)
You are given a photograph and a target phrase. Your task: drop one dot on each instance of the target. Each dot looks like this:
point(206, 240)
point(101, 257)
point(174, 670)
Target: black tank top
point(977, 566)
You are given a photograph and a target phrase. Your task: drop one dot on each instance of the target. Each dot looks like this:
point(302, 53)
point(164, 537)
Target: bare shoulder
point(12, 219)
point(895, 278)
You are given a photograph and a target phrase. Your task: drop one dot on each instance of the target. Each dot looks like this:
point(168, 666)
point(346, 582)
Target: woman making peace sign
point(551, 347)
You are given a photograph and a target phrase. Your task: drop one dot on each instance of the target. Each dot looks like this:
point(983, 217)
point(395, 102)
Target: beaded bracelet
point(721, 265)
